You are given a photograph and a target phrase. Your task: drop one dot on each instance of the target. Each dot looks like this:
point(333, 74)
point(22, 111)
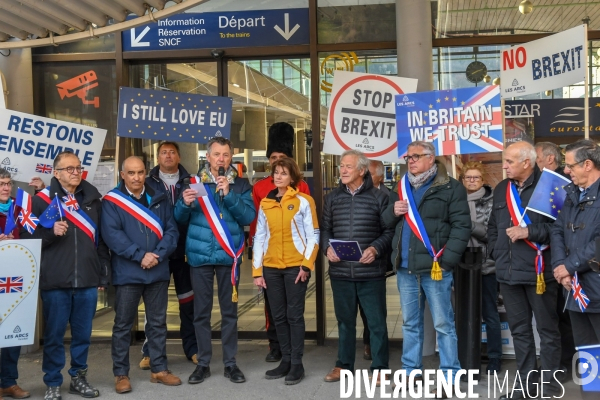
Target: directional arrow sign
point(135, 40)
point(287, 34)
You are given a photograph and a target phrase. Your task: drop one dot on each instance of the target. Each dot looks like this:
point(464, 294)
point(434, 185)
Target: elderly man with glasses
point(430, 214)
point(75, 262)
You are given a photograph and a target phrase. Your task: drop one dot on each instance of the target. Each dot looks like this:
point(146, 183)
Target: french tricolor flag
point(26, 218)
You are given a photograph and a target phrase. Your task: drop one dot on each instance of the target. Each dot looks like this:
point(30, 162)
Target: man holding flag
point(141, 233)
point(573, 241)
point(214, 244)
point(518, 242)
point(75, 262)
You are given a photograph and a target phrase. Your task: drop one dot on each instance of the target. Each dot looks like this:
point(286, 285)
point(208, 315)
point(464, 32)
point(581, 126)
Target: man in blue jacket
point(574, 242)
point(226, 207)
point(140, 231)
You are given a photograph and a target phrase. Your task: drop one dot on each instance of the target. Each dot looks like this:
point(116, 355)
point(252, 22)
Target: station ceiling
point(32, 23)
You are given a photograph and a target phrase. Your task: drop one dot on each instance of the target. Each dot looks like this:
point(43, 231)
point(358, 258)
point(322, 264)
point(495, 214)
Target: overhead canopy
point(47, 22)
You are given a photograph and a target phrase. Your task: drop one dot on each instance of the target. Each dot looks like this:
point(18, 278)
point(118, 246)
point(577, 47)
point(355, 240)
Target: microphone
point(221, 173)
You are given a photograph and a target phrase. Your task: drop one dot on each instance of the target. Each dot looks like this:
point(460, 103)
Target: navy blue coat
point(129, 240)
point(158, 185)
point(575, 246)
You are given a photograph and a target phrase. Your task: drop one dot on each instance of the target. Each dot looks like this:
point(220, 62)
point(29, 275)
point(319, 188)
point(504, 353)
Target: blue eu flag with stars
point(589, 368)
point(549, 194)
point(53, 213)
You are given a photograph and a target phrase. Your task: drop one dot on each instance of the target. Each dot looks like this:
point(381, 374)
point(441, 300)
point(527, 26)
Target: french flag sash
point(418, 229)
point(136, 210)
point(79, 218)
point(520, 218)
point(221, 232)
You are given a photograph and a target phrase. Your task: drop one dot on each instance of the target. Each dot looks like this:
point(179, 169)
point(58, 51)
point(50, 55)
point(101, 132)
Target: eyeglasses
point(415, 157)
point(472, 178)
point(570, 166)
point(70, 170)
point(5, 184)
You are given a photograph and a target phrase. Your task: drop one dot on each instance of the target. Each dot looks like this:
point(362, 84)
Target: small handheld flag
point(578, 294)
point(26, 218)
point(549, 194)
point(52, 213)
point(71, 202)
point(10, 219)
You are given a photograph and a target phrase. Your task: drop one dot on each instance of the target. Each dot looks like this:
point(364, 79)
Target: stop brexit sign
point(362, 114)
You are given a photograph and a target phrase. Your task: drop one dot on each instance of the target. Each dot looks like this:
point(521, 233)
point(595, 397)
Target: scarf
point(207, 177)
point(4, 207)
point(418, 180)
point(472, 199)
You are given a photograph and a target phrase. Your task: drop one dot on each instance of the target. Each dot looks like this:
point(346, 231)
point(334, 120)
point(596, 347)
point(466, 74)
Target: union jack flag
point(580, 297)
point(70, 202)
point(43, 168)
point(28, 221)
point(459, 133)
point(12, 284)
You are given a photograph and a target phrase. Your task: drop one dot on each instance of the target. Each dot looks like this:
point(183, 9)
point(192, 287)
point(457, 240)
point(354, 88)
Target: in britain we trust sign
point(362, 114)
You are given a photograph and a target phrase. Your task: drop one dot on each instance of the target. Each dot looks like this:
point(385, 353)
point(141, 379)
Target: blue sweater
point(406, 231)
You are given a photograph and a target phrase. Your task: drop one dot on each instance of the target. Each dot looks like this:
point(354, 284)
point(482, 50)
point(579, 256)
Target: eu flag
point(549, 194)
point(588, 368)
point(346, 250)
point(53, 212)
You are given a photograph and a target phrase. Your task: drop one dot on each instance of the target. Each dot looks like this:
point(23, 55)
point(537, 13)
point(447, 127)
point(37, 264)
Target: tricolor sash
point(418, 229)
point(221, 231)
point(136, 210)
point(79, 218)
point(520, 218)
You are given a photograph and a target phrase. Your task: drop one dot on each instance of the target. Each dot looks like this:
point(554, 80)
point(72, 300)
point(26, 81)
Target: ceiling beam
point(82, 10)
point(134, 6)
point(12, 31)
point(33, 16)
point(110, 8)
point(67, 17)
point(25, 25)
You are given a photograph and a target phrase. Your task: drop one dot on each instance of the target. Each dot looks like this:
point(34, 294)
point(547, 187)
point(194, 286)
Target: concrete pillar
point(256, 128)
point(18, 73)
point(413, 42)
point(189, 157)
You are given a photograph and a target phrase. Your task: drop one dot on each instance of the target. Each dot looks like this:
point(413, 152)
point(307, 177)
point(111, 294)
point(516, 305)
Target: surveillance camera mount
point(217, 53)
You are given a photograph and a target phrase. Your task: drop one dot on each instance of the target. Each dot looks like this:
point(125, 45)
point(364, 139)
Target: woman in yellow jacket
point(285, 249)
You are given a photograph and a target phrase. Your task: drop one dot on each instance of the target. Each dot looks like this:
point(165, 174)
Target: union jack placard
point(43, 168)
point(12, 284)
point(457, 121)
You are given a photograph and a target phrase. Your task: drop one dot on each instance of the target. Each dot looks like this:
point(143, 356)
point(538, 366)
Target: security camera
point(217, 53)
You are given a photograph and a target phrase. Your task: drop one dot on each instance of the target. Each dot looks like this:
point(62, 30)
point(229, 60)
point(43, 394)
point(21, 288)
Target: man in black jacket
point(353, 212)
point(574, 241)
point(513, 242)
point(167, 177)
point(440, 202)
point(72, 269)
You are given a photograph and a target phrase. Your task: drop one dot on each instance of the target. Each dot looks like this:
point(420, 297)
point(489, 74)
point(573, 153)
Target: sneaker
point(145, 363)
point(494, 365)
point(79, 385)
point(273, 356)
point(52, 393)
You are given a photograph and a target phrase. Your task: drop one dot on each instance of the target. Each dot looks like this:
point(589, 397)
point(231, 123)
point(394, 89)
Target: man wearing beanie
point(280, 144)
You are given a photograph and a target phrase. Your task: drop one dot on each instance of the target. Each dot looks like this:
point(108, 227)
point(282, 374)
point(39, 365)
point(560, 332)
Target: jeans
point(413, 291)
point(366, 332)
point(491, 318)
point(8, 366)
point(183, 287)
point(522, 303)
point(63, 306)
point(202, 283)
point(127, 300)
point(287, 307)
point(371, 295)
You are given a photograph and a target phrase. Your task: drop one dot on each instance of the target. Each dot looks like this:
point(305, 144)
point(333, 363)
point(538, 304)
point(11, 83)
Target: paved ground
point(317, 362)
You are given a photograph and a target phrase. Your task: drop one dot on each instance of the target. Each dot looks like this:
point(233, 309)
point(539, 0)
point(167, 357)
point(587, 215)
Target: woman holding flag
point(285, 249)
point(9, 229)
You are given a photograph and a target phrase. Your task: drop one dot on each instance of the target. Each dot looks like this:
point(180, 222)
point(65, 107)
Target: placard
point(29, 144)
point(362, 115)
point(457, 121)
point(19, 279)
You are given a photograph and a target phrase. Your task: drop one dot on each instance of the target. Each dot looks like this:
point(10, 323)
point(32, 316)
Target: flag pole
point(502, 104)
point(59, 207)
point(586, 101)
